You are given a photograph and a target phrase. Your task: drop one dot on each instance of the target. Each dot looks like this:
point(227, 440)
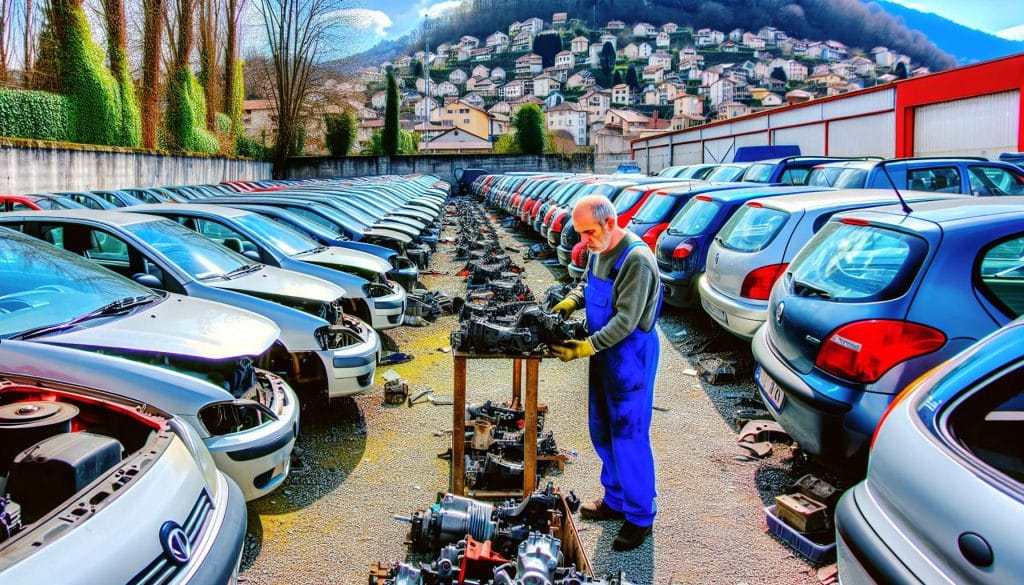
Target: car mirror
point(147, 280)
point(252, 255)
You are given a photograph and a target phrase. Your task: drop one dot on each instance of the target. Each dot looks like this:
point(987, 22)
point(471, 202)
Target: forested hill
point(852, 22)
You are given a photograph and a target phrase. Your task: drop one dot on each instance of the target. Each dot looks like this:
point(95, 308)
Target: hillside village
point(601, 88)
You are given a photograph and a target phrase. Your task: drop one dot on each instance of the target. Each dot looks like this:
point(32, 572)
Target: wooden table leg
point(517, 383)
point(530, 438)
point(458, 482)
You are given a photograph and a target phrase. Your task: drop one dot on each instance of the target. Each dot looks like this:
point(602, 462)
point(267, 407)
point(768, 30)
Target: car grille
point(163, 569)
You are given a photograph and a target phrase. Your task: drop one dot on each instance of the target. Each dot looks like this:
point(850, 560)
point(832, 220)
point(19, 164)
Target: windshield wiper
point(113, 308)
point(311, 251)
point(804, 289)
point(246, 269)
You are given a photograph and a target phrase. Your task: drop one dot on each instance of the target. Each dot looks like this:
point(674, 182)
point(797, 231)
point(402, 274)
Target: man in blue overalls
point(621, 293)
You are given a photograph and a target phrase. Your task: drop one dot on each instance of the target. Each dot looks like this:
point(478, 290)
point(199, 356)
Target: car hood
point(270, 281)
point(334, 256)
point(178, 326)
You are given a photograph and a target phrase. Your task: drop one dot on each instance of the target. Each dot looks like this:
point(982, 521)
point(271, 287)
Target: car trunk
point(754, 236)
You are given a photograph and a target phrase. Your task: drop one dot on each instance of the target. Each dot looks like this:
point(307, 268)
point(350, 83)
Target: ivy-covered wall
point(34, 114)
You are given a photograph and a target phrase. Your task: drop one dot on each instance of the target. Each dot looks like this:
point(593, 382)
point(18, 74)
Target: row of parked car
point(848, 296)
point(166, 340)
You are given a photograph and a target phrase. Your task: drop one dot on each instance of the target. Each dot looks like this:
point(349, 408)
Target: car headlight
point(235, 416)
point(376, 289)
point(198, 450)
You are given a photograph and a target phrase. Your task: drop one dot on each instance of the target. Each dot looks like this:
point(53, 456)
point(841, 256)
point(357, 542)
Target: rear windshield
point(694, 218)
point(841, 178)
point(725, 173)
point(759, 173)
point(751, 229)
point(655, 208)
point(855, 263)
point(628, 199)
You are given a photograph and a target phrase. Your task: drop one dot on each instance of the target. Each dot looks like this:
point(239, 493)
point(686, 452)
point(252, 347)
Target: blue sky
point(373, 20)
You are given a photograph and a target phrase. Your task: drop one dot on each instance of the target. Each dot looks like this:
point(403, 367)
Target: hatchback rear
point(874, 300)
point(655, 214)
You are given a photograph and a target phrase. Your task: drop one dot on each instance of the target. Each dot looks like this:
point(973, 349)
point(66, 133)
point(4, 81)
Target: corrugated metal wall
point(810, 138)
point(865, 136)
point(690, 153)
point(984, 125)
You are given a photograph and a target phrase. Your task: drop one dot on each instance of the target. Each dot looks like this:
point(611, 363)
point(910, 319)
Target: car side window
point(1001, 275)
point(989, 424)
point(53, 234)
point(225, 235)
point(107, 249)
point(18, 206)
point(936, 179)
point(986, 180)
point(795, 176)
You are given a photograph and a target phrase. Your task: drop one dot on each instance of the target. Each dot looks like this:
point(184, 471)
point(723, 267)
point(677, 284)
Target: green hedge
point(36, 115)
point(249, 148)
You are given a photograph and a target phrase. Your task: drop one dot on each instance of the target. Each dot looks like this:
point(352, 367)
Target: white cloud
point(365, 19)
point(436, 9)
point(1014, 33)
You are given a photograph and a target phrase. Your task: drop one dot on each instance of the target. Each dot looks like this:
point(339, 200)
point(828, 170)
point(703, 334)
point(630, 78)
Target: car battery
point(53, 470)
point(802, 513)
point(816, 489)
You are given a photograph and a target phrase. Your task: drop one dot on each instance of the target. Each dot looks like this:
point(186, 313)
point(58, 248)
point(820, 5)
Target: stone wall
point(441, 165)
point(45, 168)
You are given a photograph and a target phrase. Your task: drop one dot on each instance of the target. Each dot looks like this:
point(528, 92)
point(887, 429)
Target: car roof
point(850, 164)
point(219, 210)
point(118, 218)
point(960, 210)
point(844, 197)
point(764, 190)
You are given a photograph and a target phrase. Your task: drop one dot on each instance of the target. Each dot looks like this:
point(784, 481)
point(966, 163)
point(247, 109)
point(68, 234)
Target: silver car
point(943, 501)
point(208, 353)
point(322, 350)
point(756, 245)
point(107, 489)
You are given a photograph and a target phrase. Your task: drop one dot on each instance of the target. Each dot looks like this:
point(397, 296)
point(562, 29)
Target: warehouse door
point(981, 126)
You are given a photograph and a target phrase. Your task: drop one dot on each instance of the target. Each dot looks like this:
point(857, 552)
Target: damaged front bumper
point(387, 304)
point(349, 356)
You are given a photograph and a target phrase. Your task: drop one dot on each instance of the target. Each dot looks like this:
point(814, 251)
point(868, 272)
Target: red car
point(36, 202)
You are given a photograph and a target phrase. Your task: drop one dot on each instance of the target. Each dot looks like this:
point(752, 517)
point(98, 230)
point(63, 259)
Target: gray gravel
point(369, 461)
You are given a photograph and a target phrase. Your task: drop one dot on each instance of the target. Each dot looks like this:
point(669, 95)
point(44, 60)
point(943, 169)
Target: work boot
point(598, 510)
point(630, 536)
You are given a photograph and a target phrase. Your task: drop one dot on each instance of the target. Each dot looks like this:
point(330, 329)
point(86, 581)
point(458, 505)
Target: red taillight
point(703, 198)
point(755, 205)
point(682, 251)
point(758, 283)
point(550, 214)
point(580, 254)
point(865, 350)
point(651, 237)
point(556, 226)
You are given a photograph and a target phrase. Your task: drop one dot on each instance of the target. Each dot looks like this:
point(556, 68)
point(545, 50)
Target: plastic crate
point(812, 551)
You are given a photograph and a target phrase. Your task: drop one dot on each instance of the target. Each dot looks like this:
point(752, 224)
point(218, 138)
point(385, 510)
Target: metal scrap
point(713, 369)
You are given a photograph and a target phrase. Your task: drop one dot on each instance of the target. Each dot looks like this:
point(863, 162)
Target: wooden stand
point(521, 365)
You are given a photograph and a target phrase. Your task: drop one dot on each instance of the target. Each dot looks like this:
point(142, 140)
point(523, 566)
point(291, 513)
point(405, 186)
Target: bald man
point(621, 293)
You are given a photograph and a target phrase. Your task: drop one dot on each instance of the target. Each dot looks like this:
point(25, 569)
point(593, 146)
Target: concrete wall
point(40, 169)
point(442, 165)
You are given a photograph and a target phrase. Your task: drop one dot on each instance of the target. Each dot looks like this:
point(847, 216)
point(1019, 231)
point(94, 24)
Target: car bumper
point(863, 557)
point(388, 311)
point(830, 421)
point(350, 370)
point(221, 563)
point(742, 319)
point(258, 460)
point(679, 288)
point(564, 256)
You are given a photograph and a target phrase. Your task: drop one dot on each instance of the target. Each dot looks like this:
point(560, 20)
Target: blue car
point(682, 249)
point(964, 175)
point(877, 298)
point(956, 431)
point(661, 206)
point(789, 170)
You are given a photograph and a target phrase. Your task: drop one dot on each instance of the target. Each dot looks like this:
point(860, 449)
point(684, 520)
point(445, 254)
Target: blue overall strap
point(618, 265)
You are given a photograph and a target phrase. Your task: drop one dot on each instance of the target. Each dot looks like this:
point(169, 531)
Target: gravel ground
point(369, 461)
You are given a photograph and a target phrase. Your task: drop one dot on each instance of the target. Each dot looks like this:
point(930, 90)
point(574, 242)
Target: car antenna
point(903, 203)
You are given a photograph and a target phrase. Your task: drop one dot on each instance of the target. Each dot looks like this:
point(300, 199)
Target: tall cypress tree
point(529, 125)
point(389, 139)
point(632, 80)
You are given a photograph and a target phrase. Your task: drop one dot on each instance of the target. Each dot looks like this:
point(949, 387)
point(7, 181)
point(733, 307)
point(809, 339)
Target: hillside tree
point(632, 79)
point(548, 45)
point(389, 138)
point(606, 59)
point(780, 74)
point(529, 129)
point(341, 132)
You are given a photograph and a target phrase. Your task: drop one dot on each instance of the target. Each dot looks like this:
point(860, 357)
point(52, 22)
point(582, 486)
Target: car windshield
point(200, 257)
point(725, 173)
point(655, 208)
point(759, 173)
point(628, 198)
point(857, 263)
point(694, 217)
point(751, 229)
point(283, 238)
point(41, 285)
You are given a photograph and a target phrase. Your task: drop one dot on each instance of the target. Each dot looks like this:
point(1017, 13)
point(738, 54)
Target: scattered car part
point(713, 369)
point(396, 388)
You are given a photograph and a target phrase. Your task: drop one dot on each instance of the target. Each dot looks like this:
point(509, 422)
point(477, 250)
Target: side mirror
point(146, 279)
point(252, 255)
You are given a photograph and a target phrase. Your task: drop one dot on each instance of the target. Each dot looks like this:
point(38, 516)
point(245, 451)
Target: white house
point(498, 74)
point(446, 88)
point(653, 74)
point(732, 110)
point(688, 104)
point(580, 79)
point(473, 99)
point(669, 27)
point(644, 30)
point(644, 51)
point(559, 19)
point(379, 100)
point(426, 86)
point(631, 51)
point(721, 91)
point(529, 64)
point(513, 90)
point(706, 37)
point(736, 35)
point(543, 85)
point(884, 57)
point(594, 60)
point(532, 25)
point(752, 41)
point(565, 59)
point(480, 71)
point(662, 40)
point(609, 38)
point(521, 42)
point(771, 100)
point(469, 42)
point(498, 40)
point(596, 103)
point(423, 107)
point(457, 140)
point(570, 117)
point(579, 45)
point(795, 70)
point(457, 76)
point(663, 58)
point(615, 25)
point(620, 94)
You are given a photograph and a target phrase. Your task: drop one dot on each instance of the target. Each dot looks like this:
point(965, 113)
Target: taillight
point(549, 214)
point(758, 283)
point(865, 350)
point(682, 251)
point(651, 237)
point(556, 226)
point(580, 254)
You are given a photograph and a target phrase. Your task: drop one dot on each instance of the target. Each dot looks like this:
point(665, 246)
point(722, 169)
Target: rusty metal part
point(418, 396)
point(757, 431)
point(713, 369)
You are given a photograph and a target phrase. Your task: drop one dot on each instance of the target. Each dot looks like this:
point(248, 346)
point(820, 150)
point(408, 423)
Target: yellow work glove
point(565, 307)
point(573, 349)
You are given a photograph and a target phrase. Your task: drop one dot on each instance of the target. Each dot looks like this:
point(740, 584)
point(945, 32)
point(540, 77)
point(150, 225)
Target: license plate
point(770, 390)
point(714, 311)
